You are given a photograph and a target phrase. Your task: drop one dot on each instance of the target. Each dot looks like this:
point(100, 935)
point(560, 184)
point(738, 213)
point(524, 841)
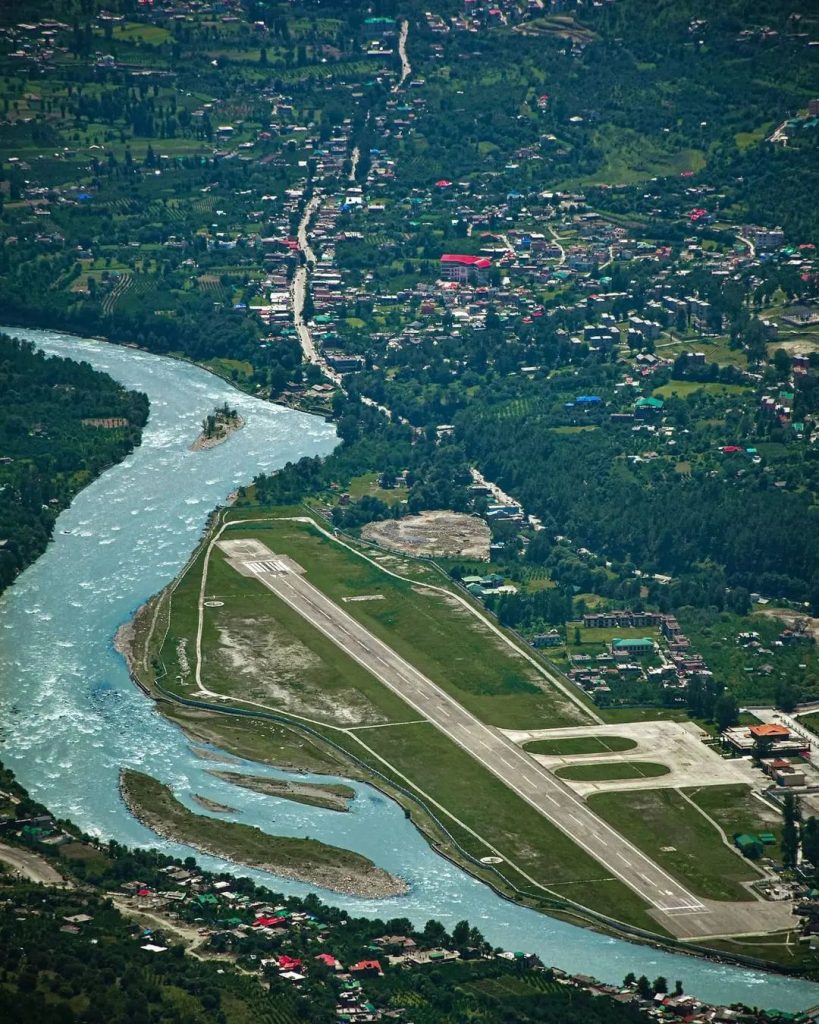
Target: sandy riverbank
point(332, 796)
point(212, 805)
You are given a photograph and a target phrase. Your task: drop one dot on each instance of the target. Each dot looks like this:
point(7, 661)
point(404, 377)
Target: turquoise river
point(70, 717)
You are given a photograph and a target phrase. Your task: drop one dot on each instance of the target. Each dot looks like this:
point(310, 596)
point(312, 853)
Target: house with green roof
point(632, 647)
point(648, 406)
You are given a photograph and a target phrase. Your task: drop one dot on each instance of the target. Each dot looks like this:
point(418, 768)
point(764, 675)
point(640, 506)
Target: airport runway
point(520, 772)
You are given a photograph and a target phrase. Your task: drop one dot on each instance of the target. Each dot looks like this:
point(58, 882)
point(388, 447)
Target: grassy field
point(684, 388)
point(304, 859)
point(666, 827)
point(515, 830)
point(735, 809)
point(612, 770)
point(717, 350)
point(367, 485)
point(569, 745)
point(430, 629)
point(258, 740)
point(593, 636)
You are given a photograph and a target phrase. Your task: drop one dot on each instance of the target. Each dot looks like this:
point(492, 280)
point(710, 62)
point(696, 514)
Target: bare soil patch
point(438, 534)
point(266, 663)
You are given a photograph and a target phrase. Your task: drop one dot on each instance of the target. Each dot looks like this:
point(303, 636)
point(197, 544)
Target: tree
point(460, 934)
point(726, 712)
point(810, 841)
point(660, 985)
point(643, 987)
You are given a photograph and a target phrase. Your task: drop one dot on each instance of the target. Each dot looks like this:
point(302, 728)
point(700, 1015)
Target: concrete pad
point(754, 917)
point(677, 745)
point(252, 558)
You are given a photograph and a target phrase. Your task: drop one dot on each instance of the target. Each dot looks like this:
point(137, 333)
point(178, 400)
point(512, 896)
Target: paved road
point(30, 866)
point(406, 67)
point(520, 772)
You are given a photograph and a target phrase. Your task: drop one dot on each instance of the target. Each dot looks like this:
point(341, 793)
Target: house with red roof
point(329, 961)
point(367, 969)
point(289, 963)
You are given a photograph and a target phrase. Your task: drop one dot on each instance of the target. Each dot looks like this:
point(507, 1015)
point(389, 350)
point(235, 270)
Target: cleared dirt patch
point(433, 535)
point(267, 663)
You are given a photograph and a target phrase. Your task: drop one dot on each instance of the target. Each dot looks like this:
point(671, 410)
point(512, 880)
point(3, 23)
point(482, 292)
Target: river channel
point(70, 717)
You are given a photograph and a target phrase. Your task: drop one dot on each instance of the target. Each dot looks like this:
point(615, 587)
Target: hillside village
point(334, 273)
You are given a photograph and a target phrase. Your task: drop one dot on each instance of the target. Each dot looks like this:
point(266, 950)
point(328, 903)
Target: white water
point(70, 718)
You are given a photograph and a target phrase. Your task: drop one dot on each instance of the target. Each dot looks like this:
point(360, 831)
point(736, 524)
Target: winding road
point(406, 67)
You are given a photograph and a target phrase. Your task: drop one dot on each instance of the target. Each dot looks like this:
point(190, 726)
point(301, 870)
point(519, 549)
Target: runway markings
point(427, 698)
point(275, 566)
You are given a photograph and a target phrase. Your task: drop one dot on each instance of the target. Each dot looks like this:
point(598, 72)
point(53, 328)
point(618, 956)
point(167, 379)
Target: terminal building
point(776, 739)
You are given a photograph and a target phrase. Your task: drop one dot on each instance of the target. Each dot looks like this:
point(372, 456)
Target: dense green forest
point(61, 424)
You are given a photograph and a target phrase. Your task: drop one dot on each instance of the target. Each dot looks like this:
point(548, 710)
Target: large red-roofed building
point(464, 268)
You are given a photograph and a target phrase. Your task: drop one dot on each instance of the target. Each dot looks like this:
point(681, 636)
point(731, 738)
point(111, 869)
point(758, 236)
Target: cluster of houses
point(627, 657)
point(232, 918)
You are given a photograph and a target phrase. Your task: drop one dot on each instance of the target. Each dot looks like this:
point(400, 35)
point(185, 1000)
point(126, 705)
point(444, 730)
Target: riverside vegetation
point(61, 424)
point(306, 860)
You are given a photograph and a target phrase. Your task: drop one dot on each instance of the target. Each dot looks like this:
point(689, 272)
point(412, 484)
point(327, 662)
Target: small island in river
point(303, 860)
point(217, 427)
point(332, 796)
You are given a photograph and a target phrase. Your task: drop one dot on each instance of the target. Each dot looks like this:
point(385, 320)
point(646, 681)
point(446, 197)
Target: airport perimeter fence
point(551, 902)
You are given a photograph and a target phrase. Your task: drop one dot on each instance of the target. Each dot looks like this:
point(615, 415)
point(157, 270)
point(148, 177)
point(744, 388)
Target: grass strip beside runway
point(676, 836)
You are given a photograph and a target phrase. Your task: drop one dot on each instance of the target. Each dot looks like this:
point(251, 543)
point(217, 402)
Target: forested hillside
point(61, 424)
